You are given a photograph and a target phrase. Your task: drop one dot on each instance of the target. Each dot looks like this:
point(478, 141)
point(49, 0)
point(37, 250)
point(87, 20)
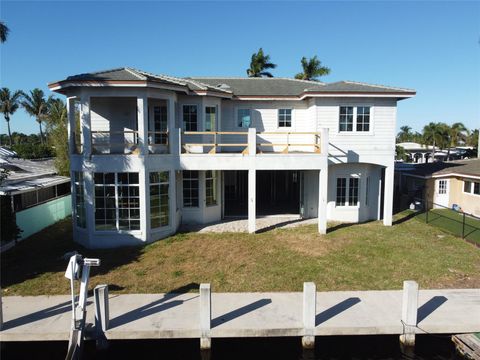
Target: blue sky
point(433, 47)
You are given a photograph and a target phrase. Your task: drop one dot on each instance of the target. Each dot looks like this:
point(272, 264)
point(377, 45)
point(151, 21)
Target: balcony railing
point(213, 142)
point(115, 142)
point(158, 142)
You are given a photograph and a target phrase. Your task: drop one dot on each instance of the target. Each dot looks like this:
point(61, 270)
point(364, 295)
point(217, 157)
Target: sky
point(432, 47)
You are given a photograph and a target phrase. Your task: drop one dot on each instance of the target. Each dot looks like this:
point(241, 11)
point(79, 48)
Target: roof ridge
point(254, 78)
point(135, 73)
point(370, 84)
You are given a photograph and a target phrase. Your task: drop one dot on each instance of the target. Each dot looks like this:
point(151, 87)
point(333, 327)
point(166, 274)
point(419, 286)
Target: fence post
point(205, 316)
point(463, 227)
point(309, 313)
point(409, 313)
point(102, 315)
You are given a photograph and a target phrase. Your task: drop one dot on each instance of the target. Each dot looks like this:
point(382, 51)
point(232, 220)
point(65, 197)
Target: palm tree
point(436, 134)
point(4, 30)
point(8, 105)
point(457, 132)
point(404, 134)
point(259, 63)
point(36, 105)
point(312, 69)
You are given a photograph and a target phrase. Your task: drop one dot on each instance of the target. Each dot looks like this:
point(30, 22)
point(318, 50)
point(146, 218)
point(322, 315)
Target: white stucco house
point(151, 152)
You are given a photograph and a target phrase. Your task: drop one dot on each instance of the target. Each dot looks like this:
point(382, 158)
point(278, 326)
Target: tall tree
point(56, 127)
point(436, 134)
point(36, 106)
point(8, 105)
point(457, 132)
point(259, 63)
point(312, 69)
point(4, 30)
point(404, 134)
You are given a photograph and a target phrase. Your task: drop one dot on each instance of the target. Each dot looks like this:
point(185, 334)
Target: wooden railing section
point(214, 144)
point(102, 143)
point(158, 142)
point(287, 136)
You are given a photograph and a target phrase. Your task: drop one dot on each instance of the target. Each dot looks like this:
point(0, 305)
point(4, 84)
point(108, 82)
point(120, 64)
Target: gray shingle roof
point(461, 167)
point(240, 86)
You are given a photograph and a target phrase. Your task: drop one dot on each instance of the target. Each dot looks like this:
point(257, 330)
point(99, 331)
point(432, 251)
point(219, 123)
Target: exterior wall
point(470, 203)
point(36, 218)
point(367, 209)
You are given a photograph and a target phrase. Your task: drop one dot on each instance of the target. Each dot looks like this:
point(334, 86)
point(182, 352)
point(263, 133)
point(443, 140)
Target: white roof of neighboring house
point(6, 153)
point(412, 146)
point(26, 175)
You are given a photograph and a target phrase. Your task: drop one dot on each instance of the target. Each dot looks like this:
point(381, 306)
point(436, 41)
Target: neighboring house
point(35, 194)
point(155, 151)
point(444, 184)
point(420, 154)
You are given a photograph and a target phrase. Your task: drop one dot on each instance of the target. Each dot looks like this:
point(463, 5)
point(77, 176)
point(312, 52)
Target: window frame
point(198, 189)
point(184, 124)
point(291, 118)
point(159, 185)
point(214, 128)
point(348, 179)
point(472, 187)
point(212, 178)
point(79, 184)
point(442, 190)
point(237, 119)
point(354, 123)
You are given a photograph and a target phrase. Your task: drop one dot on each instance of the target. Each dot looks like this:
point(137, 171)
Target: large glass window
point(467, 186)
point(343, 197)
point(346, 118)
point(190, 117)
point(341, 191)
point(190, 188)
point(476, 188)
point(284, 117)
point(79, 189)
point(210, 118)
point(160, 125)
point(363, 118)
point(211, 187)
point(159, 199)
point(244, 118)
point(117, 201)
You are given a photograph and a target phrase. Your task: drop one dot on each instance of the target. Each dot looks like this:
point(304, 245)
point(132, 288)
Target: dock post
point(205, 316)
point(309, 313)
point(409, 313)
point(102, 315)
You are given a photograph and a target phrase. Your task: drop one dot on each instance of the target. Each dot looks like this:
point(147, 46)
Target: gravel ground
point(241, 225)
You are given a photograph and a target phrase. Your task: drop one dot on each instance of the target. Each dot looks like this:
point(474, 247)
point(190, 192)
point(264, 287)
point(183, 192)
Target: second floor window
point(284, 117)
point(244, 118)
point(354, 118)
point(190, 117)
point(190, 188)
point(210, 116)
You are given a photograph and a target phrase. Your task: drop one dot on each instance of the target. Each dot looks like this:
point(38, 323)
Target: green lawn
point(349, 257)
point(452, 222)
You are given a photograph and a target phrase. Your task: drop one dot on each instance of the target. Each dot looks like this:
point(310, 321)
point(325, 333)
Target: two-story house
point(150, 152)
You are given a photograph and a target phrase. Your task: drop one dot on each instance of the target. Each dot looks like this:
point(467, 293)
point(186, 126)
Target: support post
point(388, 196)
point(322, 199)
point(85, 124)
point(205, 316)
point(102, 314)
point(309, 314)
point(142, 110)
point(252, 201)
point(252, 141)
point(463, 226)
point(71, 128)
point(409, 313)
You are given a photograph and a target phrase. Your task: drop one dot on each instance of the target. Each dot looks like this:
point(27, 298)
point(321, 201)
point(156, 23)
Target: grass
point(452, 222)
point(350, 257)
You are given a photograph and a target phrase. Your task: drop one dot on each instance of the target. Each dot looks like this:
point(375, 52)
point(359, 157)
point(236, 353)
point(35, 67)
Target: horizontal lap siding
point(382, 122)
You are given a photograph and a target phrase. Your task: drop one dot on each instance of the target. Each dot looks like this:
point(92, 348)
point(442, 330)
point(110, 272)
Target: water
point(328, 348)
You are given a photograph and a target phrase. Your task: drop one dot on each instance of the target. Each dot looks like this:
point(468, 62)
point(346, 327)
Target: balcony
point(236, 142)
point(115, 142)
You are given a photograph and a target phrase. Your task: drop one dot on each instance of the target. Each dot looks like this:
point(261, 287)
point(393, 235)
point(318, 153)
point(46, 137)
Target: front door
point(442, 189)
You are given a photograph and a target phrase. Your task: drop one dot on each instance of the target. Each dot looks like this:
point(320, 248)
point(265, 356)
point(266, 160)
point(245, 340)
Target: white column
point(252, 141)
point(89, 204)
point(324, 141)
point(144, 191)
point(388, 196)
point(205, 316)
point(172, 135)
point(309, 314)
point(172, 201)
point(85, 124)
point(142, 109)
point(322, 199)
point(71, 129)
point(251, 200)
point(409, 312)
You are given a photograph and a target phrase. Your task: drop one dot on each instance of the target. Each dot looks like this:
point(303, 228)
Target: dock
point(269, 314)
